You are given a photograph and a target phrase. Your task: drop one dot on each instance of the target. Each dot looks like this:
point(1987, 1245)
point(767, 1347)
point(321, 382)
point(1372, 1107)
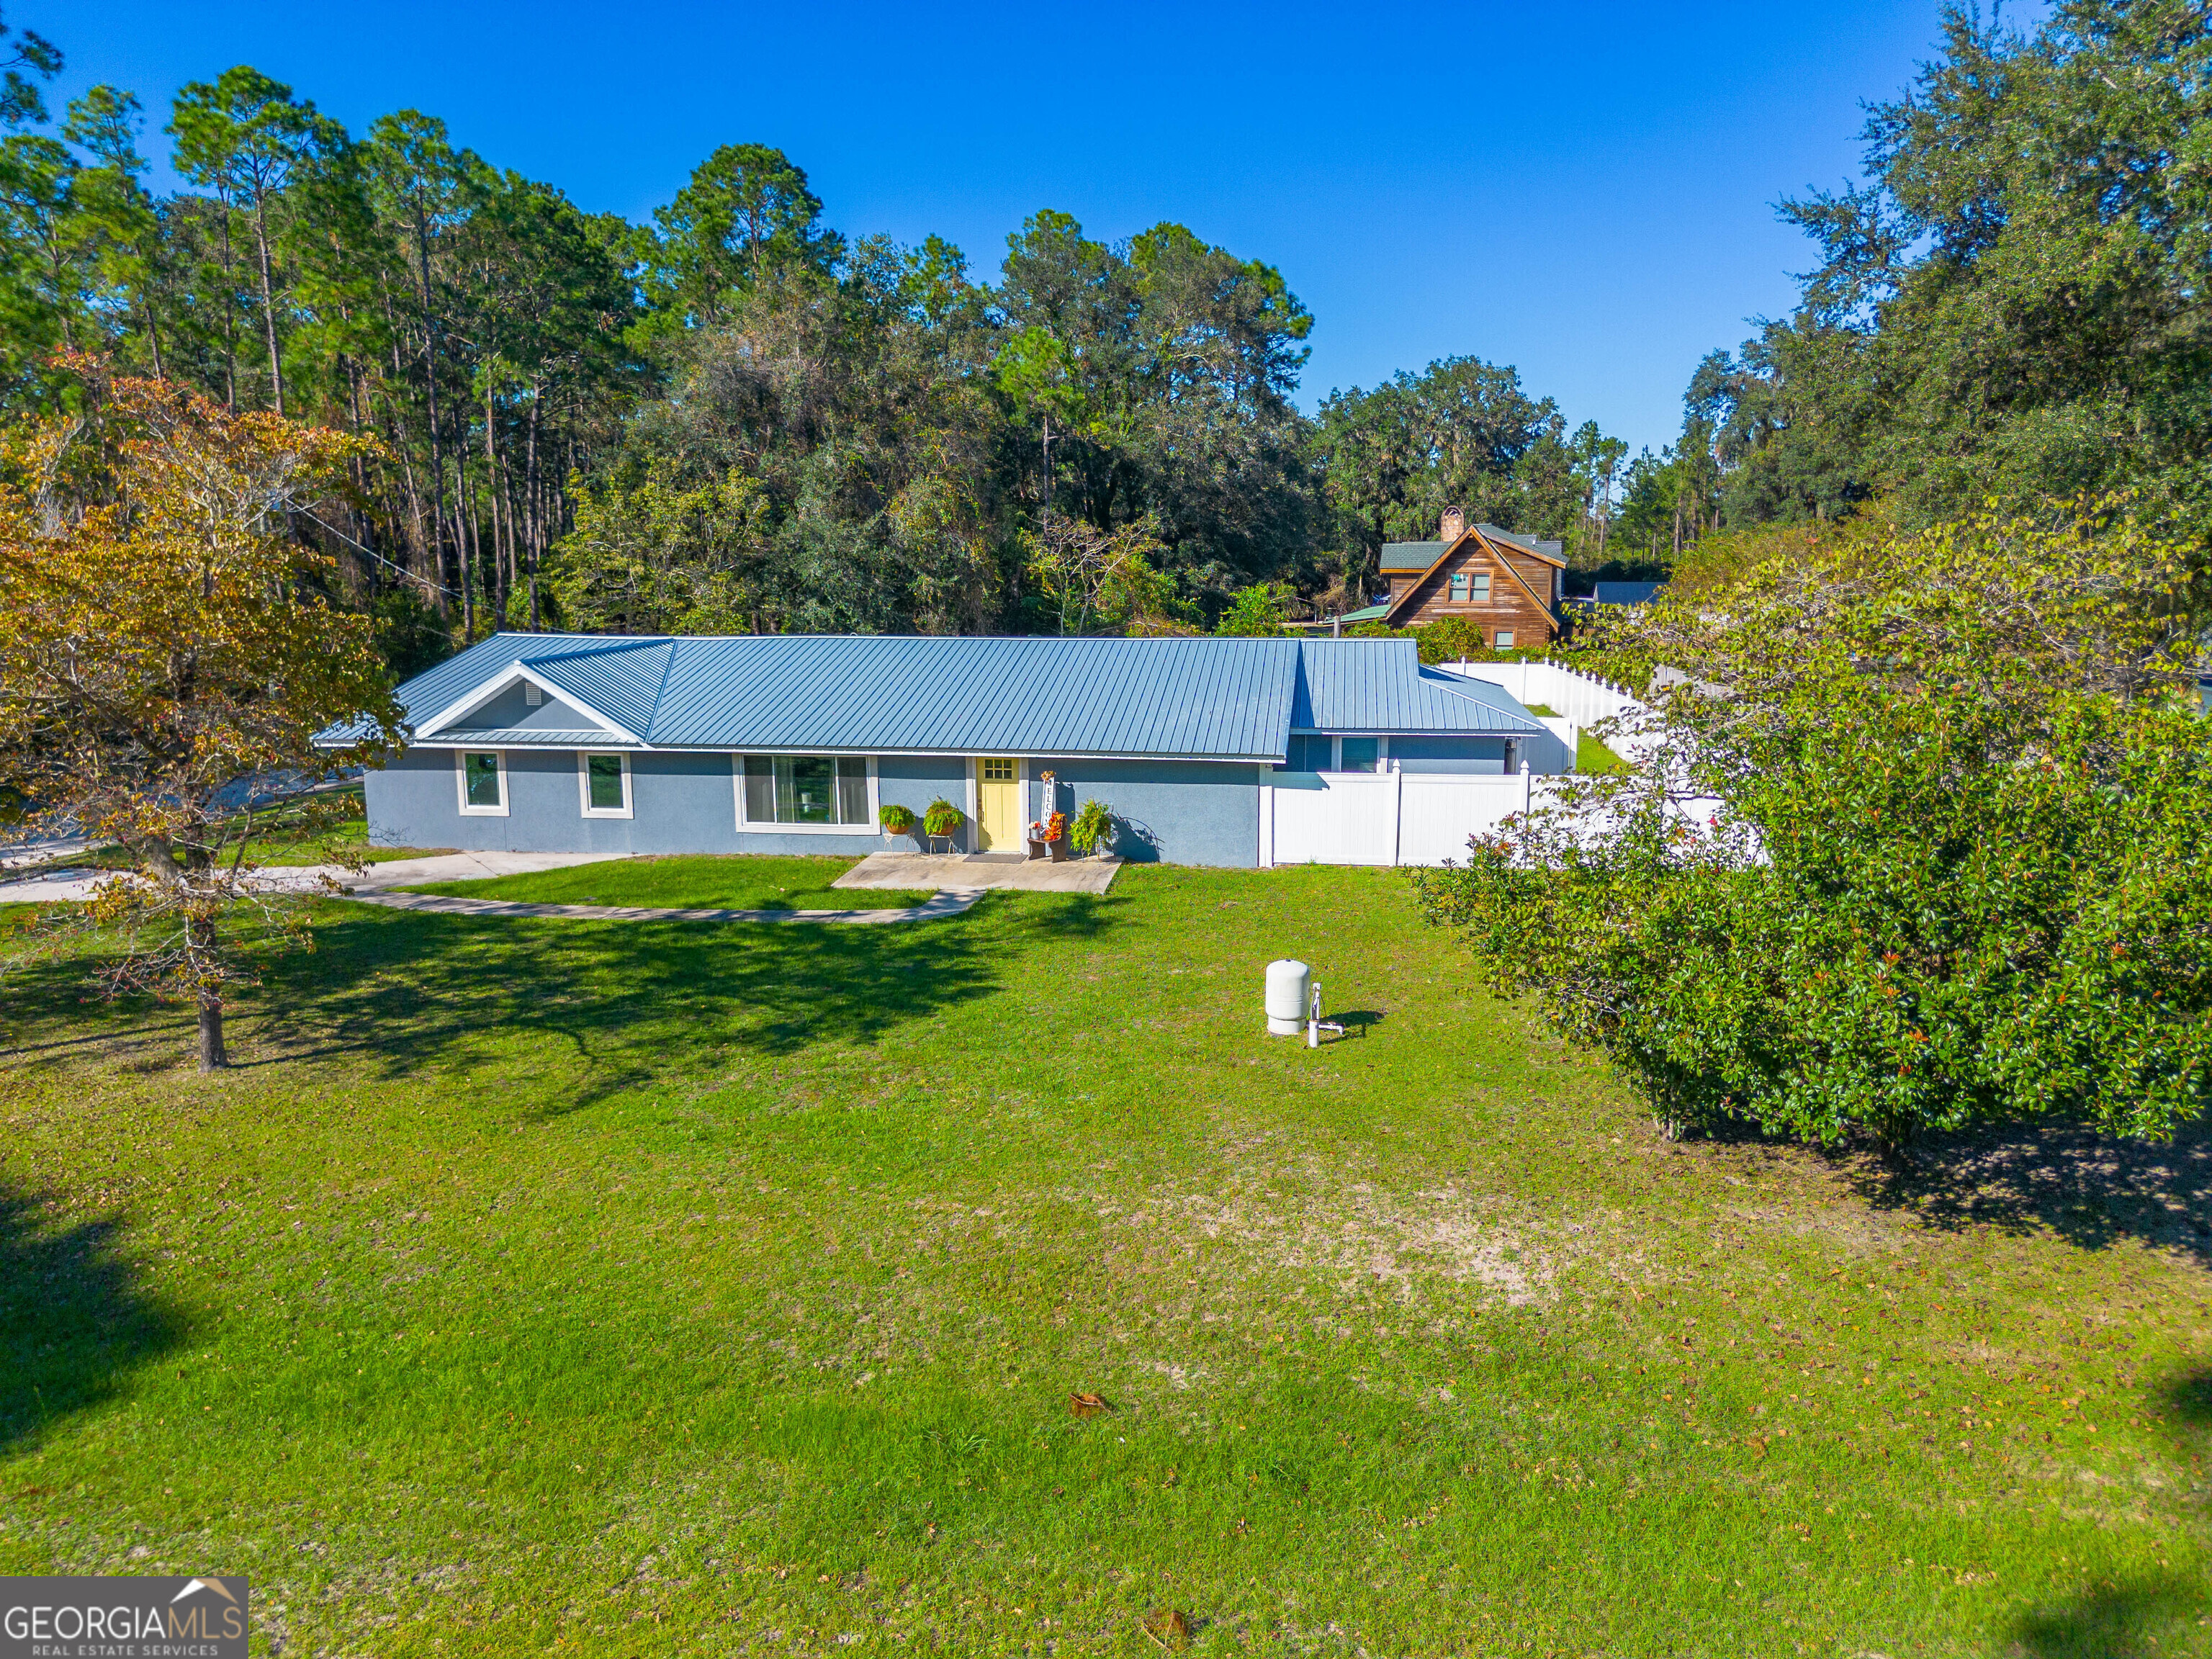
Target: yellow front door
point(998, 804)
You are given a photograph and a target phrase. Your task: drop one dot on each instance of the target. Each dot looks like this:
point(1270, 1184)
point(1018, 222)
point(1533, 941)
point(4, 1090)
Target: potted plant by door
point(1049, 835)
point(942, 821)
point(1092, 832)
point(899, 821)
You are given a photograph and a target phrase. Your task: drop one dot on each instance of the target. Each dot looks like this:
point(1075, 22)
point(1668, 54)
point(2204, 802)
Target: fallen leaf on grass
point(1087, 1404)
point(1168, 1628)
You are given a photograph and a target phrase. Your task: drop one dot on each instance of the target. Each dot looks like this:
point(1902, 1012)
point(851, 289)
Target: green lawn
point(1591, 756)
point(284, 838)
point(740, 882)
point(348, 840)
point(643, 1289)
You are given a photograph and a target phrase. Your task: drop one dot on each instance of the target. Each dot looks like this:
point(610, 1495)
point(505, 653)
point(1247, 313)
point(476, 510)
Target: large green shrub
point(1951, 858)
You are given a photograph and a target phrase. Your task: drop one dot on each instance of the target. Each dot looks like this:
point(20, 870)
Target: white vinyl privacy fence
point(1582, 699)
point(1426, 817)
point(1388, 817)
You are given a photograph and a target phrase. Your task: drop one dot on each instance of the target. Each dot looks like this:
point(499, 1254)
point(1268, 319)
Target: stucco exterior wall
point(1171, 812)
point(510, 710)
point(1182, 812)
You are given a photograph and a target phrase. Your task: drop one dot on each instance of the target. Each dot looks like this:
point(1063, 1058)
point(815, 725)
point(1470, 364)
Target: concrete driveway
point(69, 886)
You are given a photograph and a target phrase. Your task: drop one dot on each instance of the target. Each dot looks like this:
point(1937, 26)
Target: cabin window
point(1504, 638)
point(1459, 587)
point(604, 780)
point(482, 776)
point(808, 791)
point(1478, 585)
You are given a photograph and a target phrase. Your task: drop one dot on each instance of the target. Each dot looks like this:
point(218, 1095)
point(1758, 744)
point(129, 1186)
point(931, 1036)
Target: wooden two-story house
point(1509, 585)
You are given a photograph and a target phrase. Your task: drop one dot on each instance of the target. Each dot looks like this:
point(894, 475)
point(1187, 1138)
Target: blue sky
point(1583, 192)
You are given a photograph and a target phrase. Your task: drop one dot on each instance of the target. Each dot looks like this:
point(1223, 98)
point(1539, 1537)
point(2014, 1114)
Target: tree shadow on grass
point(634, 1001)
point(74, 1319)
point(2145, 1615)
point(2091, 1189)
point(2140, 1616)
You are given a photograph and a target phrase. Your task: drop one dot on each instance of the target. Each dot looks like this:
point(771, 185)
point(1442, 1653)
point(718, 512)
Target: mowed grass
point(1591, 756)
point(740, 882)
point(651, 1289)
point(285, 835)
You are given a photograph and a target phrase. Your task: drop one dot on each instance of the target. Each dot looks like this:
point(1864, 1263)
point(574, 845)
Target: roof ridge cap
point(606, 648)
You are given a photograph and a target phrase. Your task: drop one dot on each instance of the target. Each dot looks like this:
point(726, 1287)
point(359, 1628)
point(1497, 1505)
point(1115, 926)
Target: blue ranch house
point(792, 744)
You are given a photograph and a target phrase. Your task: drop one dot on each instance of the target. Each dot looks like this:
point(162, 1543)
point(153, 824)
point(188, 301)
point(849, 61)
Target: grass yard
point(349, 840)
point(282, 838)
point(1591, 756)
point(644, 1288)
point(740, 882)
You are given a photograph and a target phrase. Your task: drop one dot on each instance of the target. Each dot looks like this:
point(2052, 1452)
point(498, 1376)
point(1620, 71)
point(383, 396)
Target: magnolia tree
point(160, 649)
point(1950, 858)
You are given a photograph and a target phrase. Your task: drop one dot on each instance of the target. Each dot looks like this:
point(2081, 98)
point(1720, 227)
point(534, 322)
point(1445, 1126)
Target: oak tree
point(162, 653)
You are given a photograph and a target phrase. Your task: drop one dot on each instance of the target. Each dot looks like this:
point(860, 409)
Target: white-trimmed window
point(480, 774)
point(1359, 754)
point(1312, 752)
point(603, 783)
point(806, 794)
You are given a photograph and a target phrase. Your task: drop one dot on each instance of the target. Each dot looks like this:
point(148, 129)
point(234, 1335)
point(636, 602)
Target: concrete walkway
point(959, 880)
point(980, 871)
point(948, 901)
point(69, 886)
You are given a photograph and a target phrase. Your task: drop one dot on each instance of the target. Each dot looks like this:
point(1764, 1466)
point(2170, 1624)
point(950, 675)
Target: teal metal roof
point(1214, 699)
point(1379, 686)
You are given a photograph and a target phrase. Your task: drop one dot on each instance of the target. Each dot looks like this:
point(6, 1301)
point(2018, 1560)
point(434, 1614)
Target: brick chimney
point(1455, 525)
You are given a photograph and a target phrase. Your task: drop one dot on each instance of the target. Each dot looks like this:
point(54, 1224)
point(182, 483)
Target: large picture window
point(823, 791)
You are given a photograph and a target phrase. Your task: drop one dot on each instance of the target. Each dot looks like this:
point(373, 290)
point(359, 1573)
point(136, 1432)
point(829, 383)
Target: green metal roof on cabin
point(1398, 557)
point(1410, 556)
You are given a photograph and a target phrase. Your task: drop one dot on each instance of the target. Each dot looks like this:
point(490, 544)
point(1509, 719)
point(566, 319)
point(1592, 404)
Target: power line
point(412, 575)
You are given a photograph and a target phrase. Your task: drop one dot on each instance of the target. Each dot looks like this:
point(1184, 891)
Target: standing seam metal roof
point(1222, 699)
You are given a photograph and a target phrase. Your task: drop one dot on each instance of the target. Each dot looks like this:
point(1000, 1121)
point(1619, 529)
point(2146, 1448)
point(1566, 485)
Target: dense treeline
point(734, 417)
point(2011, 306)
point(737, 417)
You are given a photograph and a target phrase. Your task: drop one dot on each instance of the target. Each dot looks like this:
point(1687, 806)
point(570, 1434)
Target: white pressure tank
point(1288, 984)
